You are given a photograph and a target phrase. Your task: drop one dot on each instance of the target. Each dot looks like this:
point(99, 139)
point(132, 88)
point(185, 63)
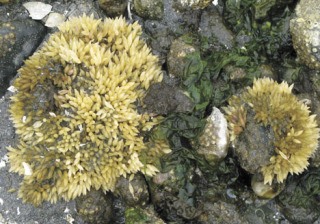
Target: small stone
point(265, 191)
point(113, 7)
point(177, 57)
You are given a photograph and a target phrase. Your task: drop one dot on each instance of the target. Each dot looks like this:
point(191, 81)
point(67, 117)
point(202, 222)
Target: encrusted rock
point(133, 192)
point(149, 9)
point(305, 31)
point(113, 7)
point(163, 99)
point(177, 57)
point(214, 141)
point(95, 207)
point(191, 4)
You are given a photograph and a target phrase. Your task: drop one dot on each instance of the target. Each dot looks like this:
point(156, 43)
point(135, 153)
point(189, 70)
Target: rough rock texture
point(18, 40)
point(305, 31)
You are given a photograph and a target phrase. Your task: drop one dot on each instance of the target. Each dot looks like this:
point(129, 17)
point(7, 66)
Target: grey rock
point(149, 9)
point(18, 40)
point(212, 27)
point(113, 8)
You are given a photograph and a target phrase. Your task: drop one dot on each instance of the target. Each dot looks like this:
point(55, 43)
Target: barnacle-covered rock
point(75, 111)
point(133, 190)
point(214, 141)
point(95, 207)
point(285, 133)
point(149, 9)
point(194, 4)
point(113, 7)
point(305, 31)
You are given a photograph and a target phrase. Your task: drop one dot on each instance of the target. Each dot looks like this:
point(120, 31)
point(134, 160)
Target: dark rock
point(133, 193)
point(149, 9)
point(212, 27)
point(18, 40)
point(163, 99)
point(255, 145)
point(178, 57)
point(113, 8)
point(95, 207)
point(299, 202)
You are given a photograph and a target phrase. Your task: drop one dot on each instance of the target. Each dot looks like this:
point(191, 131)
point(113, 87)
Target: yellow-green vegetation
point(295, 130)
point(76, 111)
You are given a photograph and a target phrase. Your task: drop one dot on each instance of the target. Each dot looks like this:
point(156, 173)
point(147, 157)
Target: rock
point(113, 8)
point(136, 215)
point(149, 9)
point(214, 141)
point(177, 58)
point(221, 212)
point(18, 40)
point(163, 99)
point(174, 190)
point(250, 144)
point(95, 207)
point(299, 201)
point(265, 191)
point(212, 27)
point(305, 31)
point(133, 192)
point(191, 4)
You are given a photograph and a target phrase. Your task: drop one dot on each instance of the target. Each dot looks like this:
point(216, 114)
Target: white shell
point(37, 10)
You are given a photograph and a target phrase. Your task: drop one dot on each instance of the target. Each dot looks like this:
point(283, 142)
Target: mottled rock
point(214, 141)
point(173, 192)
point(95, 207)
point(255, 145)
point(191, 4)
point(178, 56)
point(305, 31)
point(212, 27)
point(113, 8)
point(138, 215)
point(221, 212)
point(149, 9)
point(133, 192)
point(18, 40)
point(299, 201)
point(163, 99)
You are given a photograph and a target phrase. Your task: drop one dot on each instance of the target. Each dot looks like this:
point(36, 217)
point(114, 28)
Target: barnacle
point(274, 107)
point(76, 110)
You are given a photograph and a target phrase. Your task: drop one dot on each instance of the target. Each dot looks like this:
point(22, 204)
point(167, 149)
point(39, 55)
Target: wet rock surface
point(18, 40)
